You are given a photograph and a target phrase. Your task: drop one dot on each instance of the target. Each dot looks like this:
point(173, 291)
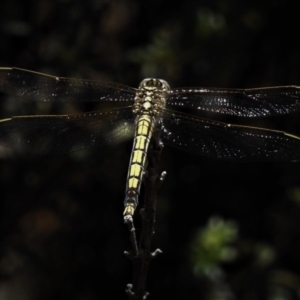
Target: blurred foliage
point(160, 55)
point(209, 24)
point(294, 194)
point(213, 245)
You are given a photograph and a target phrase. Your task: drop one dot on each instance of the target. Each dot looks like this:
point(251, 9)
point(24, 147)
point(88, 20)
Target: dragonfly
point(152, 106)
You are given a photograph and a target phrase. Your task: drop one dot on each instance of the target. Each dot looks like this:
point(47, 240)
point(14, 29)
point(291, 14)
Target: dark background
point(61, 230)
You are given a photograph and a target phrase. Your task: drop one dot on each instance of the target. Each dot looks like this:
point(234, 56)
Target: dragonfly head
point(154, 83)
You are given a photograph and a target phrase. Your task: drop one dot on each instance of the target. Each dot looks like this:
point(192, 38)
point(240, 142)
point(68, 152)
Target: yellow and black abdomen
point(143, 134)
point(148, 105)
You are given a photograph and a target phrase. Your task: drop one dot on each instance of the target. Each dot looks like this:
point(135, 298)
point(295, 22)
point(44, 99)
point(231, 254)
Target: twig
point(129, 221)
point(142, 255)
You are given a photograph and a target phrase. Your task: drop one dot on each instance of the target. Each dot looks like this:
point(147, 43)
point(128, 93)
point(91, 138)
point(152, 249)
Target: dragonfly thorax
point(150, 97)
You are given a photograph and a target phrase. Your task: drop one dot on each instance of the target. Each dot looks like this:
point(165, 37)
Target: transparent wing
point(47, 88)
point(237, 102)
point(230, 142)
point(64, 133)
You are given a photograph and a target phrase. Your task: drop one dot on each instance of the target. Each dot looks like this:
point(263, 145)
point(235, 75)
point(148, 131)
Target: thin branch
point(141, 261)
point(128, 219)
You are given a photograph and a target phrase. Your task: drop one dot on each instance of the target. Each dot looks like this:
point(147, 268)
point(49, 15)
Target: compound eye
point(160, 84)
